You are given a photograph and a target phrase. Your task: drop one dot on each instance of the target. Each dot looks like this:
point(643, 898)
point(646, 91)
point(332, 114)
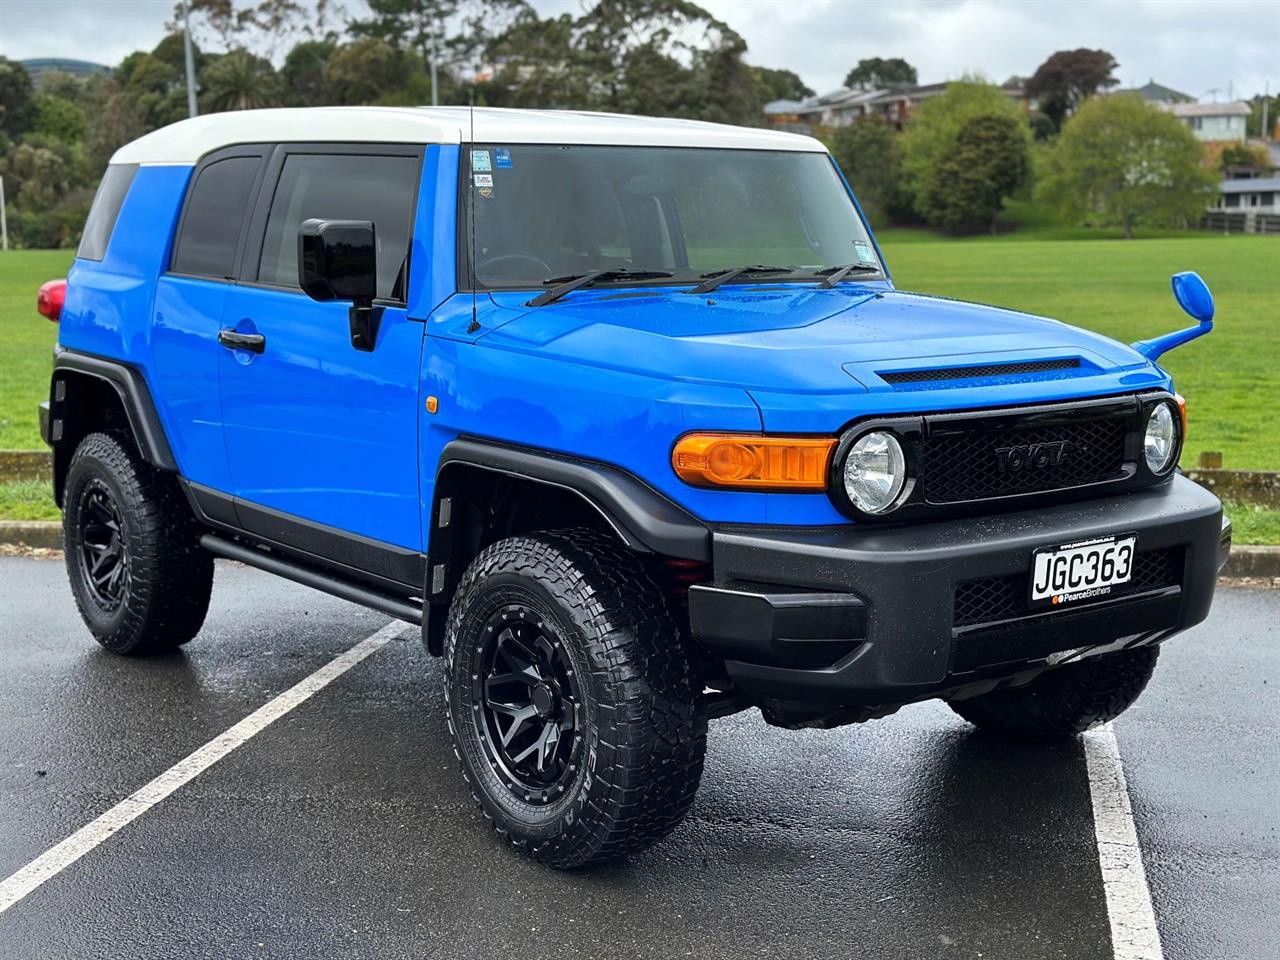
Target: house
point(839, 108)
point(1158, 94)
point(1246, 206)
point(1225, 122)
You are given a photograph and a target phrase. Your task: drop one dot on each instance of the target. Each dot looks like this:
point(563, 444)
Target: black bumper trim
point(906, 576)
point(782, 627)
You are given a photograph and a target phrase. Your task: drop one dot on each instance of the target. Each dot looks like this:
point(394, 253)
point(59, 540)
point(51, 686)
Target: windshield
point(538, 212)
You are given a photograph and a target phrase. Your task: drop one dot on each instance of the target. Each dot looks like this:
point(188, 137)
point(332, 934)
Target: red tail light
point(50, 299)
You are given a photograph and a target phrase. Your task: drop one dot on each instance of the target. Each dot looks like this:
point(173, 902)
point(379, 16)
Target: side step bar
point(398, 607)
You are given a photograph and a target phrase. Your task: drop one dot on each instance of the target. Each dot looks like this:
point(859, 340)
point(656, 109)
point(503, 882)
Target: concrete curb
point(46, 534)
point(1245, 561)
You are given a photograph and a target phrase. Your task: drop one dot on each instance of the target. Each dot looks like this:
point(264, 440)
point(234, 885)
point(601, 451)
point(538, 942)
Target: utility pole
point(191, 67)
point(435, 97)
point(4, 224)
point(1266, 102)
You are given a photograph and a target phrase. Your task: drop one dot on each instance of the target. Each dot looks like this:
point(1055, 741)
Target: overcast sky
point(1196, 46)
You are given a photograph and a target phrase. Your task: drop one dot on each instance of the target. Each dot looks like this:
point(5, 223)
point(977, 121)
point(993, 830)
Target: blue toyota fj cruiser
point(628, 414)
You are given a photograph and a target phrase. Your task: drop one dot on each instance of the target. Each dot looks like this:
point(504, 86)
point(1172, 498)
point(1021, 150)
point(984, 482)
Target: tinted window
point(211, 226)
point(106, 207)
point(347, 187)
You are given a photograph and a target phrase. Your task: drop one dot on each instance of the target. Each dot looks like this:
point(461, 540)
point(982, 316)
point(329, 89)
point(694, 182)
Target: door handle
point(235, 340)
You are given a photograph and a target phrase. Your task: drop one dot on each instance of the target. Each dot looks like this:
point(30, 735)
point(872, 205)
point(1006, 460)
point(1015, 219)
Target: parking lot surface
point(344, 829)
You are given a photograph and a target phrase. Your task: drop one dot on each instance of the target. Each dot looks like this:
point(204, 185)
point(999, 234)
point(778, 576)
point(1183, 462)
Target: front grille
point(977, 373)
point(1004, 598)
point(980, 464)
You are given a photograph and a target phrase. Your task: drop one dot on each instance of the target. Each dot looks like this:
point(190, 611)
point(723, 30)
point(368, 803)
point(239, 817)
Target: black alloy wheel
point(526, 705)
point(103, 553)
point(138, 573)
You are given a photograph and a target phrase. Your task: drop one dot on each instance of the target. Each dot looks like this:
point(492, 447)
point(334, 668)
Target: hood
point(784, 338)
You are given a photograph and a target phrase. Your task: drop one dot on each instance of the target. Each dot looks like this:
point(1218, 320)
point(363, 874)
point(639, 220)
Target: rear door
point(322, 437)
point(190, 296)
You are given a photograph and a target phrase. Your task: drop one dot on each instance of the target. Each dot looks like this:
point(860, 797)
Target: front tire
point(137, 571)
point(1066, 700)
point(573, 708)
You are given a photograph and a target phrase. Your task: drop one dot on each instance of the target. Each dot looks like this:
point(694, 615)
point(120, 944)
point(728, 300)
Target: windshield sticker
point(480, 161)
point(865, 253)
point(484, 179)
point(502, 158)
point(485, 193)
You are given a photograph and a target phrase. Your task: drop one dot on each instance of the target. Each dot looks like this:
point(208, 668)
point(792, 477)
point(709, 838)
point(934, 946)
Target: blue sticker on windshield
point(480, 161)
point(864, 251)
point(502, 158)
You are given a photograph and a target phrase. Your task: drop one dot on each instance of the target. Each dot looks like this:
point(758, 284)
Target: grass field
point(1119, 288)
point(26, 356)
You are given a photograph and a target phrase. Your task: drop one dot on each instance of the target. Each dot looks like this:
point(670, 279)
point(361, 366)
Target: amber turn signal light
point(753, 462)
point(1182, 412)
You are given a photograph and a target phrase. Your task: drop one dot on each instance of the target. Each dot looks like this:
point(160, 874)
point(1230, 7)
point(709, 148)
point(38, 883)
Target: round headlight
point(874, 472)
point(1161, 442)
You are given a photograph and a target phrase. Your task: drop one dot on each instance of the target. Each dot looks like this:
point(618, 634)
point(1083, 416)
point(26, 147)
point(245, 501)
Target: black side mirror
point(338, 260)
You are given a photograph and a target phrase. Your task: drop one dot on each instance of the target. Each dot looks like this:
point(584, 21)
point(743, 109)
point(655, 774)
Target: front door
point(320, 434)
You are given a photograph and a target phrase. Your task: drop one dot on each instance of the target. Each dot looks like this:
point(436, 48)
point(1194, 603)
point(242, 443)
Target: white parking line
point(56, 859)
point(1134, 935)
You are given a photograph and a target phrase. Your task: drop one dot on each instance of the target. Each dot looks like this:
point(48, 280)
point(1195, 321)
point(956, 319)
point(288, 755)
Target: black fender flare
point(130, 386)
point(642, 518)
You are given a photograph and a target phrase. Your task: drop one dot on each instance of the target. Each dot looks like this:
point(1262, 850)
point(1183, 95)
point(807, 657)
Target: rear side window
point(105, 209)
point(343, 187)
point(210, 229)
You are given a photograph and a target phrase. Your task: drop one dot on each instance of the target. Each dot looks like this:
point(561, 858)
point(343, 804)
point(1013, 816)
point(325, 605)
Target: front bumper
point(869, 616)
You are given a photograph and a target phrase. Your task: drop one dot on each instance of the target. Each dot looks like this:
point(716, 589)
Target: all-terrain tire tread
point(171, 576)
point(652, 728)
point(1067, 700)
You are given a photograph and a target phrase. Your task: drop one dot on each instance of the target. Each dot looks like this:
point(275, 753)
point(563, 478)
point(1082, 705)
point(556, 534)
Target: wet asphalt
point(344, 830)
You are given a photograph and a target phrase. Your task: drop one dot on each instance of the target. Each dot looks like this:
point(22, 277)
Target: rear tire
point(1065, 701)
point(139, 576)
point(569, 632)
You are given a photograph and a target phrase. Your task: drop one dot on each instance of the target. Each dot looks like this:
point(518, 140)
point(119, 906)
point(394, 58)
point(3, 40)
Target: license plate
point(1080, 572)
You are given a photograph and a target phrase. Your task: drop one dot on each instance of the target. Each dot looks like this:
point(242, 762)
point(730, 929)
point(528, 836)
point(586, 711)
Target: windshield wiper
point(576, 281)
point(834, 275)
point(716, 277)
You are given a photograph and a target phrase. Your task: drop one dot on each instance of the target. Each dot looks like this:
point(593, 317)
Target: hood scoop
point(936, 378)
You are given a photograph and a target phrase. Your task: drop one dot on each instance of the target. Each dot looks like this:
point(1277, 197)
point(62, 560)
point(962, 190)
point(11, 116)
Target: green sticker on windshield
point(480, 162)
point(864, 251)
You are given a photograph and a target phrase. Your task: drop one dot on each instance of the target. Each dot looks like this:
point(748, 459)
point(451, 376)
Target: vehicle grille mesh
point(1004, 598)
point(976, 373)
point(968, 466)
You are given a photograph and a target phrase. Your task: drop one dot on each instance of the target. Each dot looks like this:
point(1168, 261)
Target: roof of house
point(1233, 109)
point(1258, 184)
point(1157, 92)
point(187, 141)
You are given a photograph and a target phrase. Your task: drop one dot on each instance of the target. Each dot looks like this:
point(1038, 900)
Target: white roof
point(187, 141)
point(1233, 109)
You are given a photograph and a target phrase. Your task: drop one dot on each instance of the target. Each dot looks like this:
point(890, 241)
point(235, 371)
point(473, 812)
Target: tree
point(1069, 77)
point(239, 80)
point(780, 85)
point(868, 153)
point(59, 118)
point(1121, 160)
point(303, 74)
point(17, 101)
point(965, 190)
point(364, 71)
point(418, 25)
point(877, 72)
point(932, 130)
